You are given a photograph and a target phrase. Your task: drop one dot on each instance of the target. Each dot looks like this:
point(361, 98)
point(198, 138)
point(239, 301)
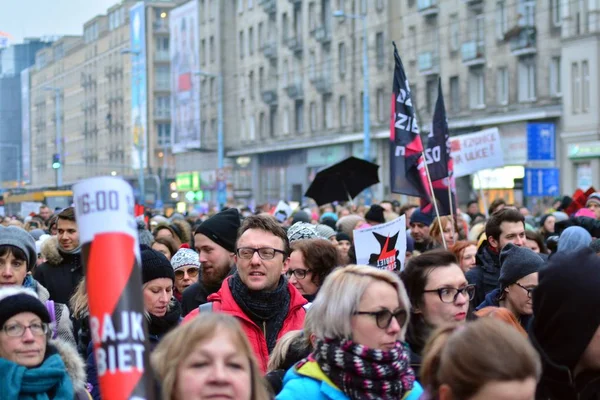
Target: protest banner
point(382, 246)
point(104, 209)
point(476, 151)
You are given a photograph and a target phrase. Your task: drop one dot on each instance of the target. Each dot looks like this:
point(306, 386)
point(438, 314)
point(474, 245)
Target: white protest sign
point(476, 151)
point(382, 246)
point(283, 211)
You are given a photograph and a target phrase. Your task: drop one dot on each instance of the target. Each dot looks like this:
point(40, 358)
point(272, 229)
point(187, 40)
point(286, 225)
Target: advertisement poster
point(382, 246)
point(139, 88)
point(185, 84)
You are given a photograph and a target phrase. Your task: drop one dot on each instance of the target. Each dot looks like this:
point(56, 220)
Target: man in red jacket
point(258, 294)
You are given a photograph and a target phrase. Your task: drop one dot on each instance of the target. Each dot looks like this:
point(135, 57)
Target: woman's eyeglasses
point(450, 294)
point(383, 318)
point(18, 330)
point(192, 273)
point(298, 273)
point(528, 290)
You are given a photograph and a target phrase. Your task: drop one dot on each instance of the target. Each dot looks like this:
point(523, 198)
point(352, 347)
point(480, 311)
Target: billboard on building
point(25, 174)
point(185, 83)
point(139, 88)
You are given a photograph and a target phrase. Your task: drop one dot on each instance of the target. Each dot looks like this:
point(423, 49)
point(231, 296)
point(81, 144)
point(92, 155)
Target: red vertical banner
point(105, 211)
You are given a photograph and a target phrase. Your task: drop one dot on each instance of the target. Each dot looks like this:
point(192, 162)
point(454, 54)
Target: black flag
point(406, 149)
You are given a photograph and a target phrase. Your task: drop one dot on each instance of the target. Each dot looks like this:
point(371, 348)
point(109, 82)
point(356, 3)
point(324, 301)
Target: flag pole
point(451, 202)
point(434, 201)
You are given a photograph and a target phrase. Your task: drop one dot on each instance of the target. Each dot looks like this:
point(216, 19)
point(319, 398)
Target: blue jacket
point(309, 382)
point(491, 300)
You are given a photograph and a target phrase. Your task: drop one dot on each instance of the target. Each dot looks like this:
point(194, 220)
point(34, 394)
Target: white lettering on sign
point(120, 357)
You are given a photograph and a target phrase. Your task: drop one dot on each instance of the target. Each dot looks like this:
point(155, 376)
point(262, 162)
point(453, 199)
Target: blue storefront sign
point(540, 182)
point(541, 142)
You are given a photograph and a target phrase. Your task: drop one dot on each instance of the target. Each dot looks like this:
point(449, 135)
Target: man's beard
point(215, 276)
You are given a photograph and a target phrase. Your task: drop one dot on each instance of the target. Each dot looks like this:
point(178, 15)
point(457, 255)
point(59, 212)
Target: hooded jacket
point(61, 272)
point(485, 274)
point(75, 366)
point(224, 302)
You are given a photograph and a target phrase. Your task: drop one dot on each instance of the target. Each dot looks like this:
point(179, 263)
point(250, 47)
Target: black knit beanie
point(516, 263)
point(16, 300)
point(155, 265)
point(375, 214)
point(565, 306)
point(222, 228)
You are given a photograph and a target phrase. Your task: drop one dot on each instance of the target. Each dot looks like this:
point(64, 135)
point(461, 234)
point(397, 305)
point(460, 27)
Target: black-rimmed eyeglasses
point(450, 294)
point(298, 273)
point(266, 253)
point(383, 318)
point(528, 290)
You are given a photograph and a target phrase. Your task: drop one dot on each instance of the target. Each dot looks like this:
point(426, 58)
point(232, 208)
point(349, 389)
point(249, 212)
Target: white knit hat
point(184, 258)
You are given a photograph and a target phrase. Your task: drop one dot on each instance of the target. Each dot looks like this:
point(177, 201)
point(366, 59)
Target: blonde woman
point(358, 319)
point(450, 231)
point(208, 357)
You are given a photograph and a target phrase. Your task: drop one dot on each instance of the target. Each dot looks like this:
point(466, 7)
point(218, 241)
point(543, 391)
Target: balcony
point(322, 83)
point(162, 56)
point(323, 35)
point(269, 96)
point(428, 63)
point(108, 71)
point(428, 7)
point(162, 86)
point(524, 42)
point(295, 90)
point(269, 50)
point(473, 2)
point(160, 26)
point(270, 6)
point(294, 43)
point(473, 53)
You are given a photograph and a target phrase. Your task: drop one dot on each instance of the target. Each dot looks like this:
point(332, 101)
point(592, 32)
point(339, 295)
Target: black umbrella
point(343, 181)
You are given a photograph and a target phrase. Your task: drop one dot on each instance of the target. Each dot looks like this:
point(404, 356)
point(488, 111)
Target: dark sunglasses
point(383, 318)
point(192, 273)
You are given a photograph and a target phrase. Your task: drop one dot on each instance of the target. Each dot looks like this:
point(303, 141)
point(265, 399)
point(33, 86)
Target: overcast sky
point(26, 18)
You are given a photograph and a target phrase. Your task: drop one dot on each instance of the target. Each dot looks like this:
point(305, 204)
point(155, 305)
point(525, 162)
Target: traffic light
point(56, 161)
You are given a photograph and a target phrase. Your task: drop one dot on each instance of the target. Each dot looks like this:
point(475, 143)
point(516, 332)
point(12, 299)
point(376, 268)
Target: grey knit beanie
point(517, 262)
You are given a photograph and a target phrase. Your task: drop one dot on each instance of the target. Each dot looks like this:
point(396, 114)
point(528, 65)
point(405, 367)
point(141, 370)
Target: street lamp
point(221, 192)
point(366, 110)
point(140, 140)
point(57, 92)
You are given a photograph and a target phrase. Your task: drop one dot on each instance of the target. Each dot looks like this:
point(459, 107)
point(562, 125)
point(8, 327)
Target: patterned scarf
point(363, 373)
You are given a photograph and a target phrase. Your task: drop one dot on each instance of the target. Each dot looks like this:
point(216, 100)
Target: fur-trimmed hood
point(73, 362)
point(50, 251)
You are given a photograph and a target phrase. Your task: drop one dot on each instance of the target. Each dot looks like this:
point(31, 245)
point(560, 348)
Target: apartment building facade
point(93, 76)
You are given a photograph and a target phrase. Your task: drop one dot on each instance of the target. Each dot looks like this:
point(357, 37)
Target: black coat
point(589, 224)
point(61, 273)
point(485, 275)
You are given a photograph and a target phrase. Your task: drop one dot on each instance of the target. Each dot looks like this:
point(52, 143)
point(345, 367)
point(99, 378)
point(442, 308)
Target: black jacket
point(589, 224)
point(61, 273)
point(196, 294)
point(485, 275)
point(558, 382)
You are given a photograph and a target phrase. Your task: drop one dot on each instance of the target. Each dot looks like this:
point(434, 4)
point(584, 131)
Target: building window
point(164, 134)
point(342, 59)
point(555, 84)
point(261, 33)
point(312, 67)
point(213, 127)
point(526, 10)
point(203, 51)
point(454, 94)
point(262, 125)
point(585, 86)
point(502, 86)
point(240, 6)
point(252, 128)
point(250, 4)
point(203, 12)
point(251, 84)
point(454, 33)
point(211, 45)
point(412, 43)
point(250, 41)
point(379, 4)
point(381, 105)
point(261, 78)
point(363, 7)
point(211, 8)
point(312, 16)
point(273, 122)
point(285, 73)
point(501, 19)
point(380, 50)
point(241, 44)
point(432, 91)
point(343, 112)
point(299, 116)
point(476, 88)
point(313, 116)
point(575, 87)
point(527, 79)
point(285, 27)
point(327, 112)
point(556, 12)
point(285, 123)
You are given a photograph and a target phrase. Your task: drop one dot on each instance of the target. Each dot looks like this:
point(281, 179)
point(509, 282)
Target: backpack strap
point(206, 307)
point(50, 306)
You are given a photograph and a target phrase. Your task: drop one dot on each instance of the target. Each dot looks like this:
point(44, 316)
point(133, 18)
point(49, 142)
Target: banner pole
point(434, 201)
point(485, 206)
point(451, 202)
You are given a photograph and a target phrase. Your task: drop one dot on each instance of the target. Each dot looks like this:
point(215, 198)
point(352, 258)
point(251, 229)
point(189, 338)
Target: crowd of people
point(244, 304)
